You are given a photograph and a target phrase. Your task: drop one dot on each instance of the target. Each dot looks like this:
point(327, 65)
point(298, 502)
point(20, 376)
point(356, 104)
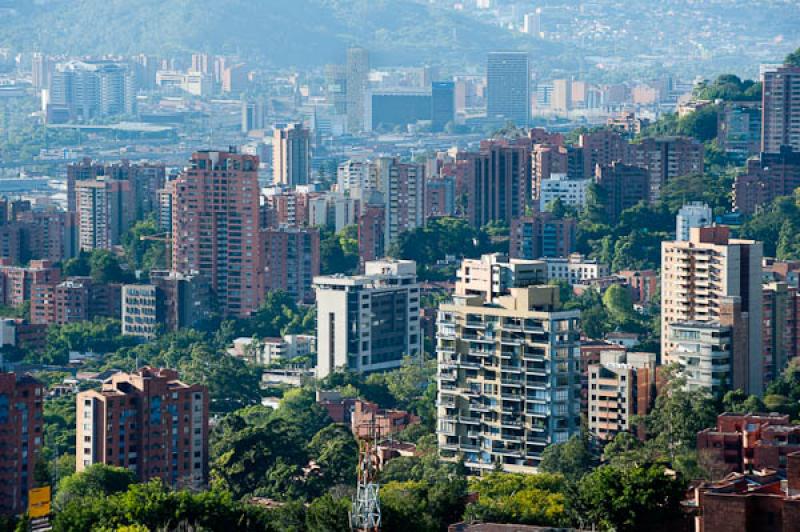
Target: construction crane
point(365, 515)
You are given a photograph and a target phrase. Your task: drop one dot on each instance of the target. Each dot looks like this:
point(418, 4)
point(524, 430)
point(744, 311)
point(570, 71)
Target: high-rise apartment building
point(403, 189)
point(372, 229)
point(561, 100)
point(780, 109)
point(497, 182)
point(181, 300)
point(602, 148)
point(542, 235)
point(621, 187)
point(739, 129)
point(147, 421)
point(93, 89)
point(693, 214)
point(767, 176)
point(780, 327)
point(368, 322)
point(712, 279)
point(508, 87)
point(621, 386)
point(21, 439)
point(667, 158)
point(291, 260)
point(146, 179)
point(215, 228)
point(358, 178)
point(41, 70)
point(357, 86)
point(443, 104)
point(509, 380)
point(105, 212)
point(291, 157)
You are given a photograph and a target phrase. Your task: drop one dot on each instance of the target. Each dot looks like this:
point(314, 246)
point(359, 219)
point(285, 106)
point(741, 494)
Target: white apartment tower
point(508, 378)
point(368, 322)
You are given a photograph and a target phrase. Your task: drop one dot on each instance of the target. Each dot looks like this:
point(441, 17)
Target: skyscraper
point(443, 104)
point(712, 282)
point(291, 155)
point(781, 109)
point(508, 85)
point(215, 215)
point(357, 84)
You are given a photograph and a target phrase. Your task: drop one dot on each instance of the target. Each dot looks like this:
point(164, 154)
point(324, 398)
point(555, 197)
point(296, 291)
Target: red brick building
point(17, 281)
point(780, 331)
point(764, 500)
point(498, 181)
point(21, 435)
point(215, 228)
point(147, 421)
point(768, 176)
point(371, 232)
point(622, 187)
point(743, 442)
point(74, 299)
point(643, 284)
point(602, 148)
point(361, 415)
point(542, 235)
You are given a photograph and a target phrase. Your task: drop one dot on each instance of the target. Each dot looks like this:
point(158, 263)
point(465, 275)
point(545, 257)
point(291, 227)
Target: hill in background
point(283, 32)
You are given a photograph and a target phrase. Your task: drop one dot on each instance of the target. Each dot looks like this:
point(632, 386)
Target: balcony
point(469, 420)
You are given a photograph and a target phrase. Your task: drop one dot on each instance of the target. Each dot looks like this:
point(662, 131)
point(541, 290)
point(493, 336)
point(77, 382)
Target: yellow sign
point(39, 502)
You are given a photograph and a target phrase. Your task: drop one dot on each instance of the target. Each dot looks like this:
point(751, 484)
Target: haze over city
point(399, 265)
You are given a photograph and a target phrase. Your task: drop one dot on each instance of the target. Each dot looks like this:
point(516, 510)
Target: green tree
point(95, 481)
point(104, 267)
point(619, 302)
point(572, 459)
point(793, 59)
point(638, 498)
point(335, 451)
point(520, 499)
point(339, 251)
point(328, 514)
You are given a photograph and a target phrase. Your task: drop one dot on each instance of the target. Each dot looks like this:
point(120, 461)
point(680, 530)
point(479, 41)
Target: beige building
point(493, 275)
point(623, 385)
point(712, 278)
point(291, 155)
point(508, 378)
point(105, 211)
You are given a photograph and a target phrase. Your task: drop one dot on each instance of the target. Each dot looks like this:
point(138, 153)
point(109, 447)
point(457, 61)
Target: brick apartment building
point(764, 500)
point(21, 436)
point(744, 442)
point(215, 228)
point(147, 421)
